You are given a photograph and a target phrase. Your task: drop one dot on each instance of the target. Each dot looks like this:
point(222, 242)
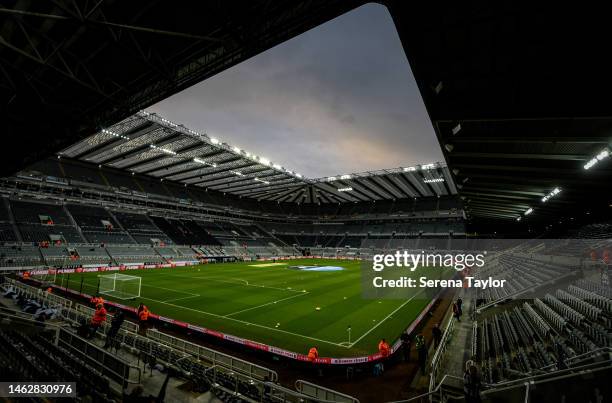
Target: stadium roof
point(147, 144)
point(528, 83)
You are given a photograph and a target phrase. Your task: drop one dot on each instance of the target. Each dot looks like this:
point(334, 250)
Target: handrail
point(435, 361)
point(505, 385)
point(216, 357)
point(300, 384)
point(592, 353)
point(430, 393)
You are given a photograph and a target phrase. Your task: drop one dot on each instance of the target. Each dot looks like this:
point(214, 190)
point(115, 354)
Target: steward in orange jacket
point(313, 354)
point(99, 316)
point(383, 348)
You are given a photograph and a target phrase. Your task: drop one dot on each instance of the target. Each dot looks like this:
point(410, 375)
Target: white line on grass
point(244, 283)
point(171, 289)
point(384, 319)
point(247, 323)
point(266, 304)
point(182, 298)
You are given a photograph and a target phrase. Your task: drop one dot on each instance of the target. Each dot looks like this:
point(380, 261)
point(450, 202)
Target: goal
point(120, 286)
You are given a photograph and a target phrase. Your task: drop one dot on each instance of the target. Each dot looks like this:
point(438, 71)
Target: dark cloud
point(338, 99)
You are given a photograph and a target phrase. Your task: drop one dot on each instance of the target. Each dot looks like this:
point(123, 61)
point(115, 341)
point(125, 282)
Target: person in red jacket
point(143, 317)
point(383, 348)
point(313, 354)
point(98, 318)
point(96, 299)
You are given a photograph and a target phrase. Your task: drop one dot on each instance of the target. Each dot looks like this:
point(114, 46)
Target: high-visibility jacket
point(383, 348)
point(313, 354)
point(144, 314)
point(420, 342)
point(99, 316)
point(97, 300)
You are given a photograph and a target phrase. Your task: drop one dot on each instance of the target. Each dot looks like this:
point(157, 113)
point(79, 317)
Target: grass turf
point(268, 304)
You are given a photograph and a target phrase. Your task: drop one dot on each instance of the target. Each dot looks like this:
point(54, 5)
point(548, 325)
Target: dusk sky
point(338, 99)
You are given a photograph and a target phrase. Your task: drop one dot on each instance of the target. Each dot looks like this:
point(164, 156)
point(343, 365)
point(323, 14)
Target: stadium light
point(345, 189)
point(550, 195)
point(428, 166)
point(164, 150)
point(201, 161)
point(344, 177)
point(456, 129)
point(410, 169)
point(603, 154)
point(529, 211)
point(435, 180)
point(331, 178)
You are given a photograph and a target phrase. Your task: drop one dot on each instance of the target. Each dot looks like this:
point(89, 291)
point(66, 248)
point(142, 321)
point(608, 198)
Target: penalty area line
point(384, 319)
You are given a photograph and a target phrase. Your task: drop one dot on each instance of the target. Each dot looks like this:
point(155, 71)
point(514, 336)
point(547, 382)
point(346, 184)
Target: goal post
point(121, 286)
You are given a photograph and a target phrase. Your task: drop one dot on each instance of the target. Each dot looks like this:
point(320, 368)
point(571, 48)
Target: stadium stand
point(97, 225)
point(61, 353)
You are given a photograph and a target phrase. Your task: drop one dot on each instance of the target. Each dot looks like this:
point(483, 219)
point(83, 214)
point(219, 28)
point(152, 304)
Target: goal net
point(120, 286)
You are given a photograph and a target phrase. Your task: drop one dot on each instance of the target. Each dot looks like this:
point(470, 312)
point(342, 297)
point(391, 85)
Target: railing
point(215, 357)
point(321, 393)
point(110, 365)
point(426, 397)
point(585, 356)
point(526, 382)
point(439, 354)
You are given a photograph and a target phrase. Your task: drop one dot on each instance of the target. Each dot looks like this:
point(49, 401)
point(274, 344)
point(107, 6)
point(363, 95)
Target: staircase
point(74, 223)
point(12, 218)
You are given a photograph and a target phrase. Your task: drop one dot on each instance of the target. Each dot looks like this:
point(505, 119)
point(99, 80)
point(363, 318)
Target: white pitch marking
point(170, 289)
point(247, 323)
point(384, 319)
point(246, 283)
point(182, 298)
point(266, 304)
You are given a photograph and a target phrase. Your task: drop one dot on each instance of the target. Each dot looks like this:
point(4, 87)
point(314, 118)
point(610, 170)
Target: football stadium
point(316, 201)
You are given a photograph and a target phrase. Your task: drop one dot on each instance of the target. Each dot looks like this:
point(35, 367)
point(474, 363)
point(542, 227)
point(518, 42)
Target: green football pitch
point(272, 304)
